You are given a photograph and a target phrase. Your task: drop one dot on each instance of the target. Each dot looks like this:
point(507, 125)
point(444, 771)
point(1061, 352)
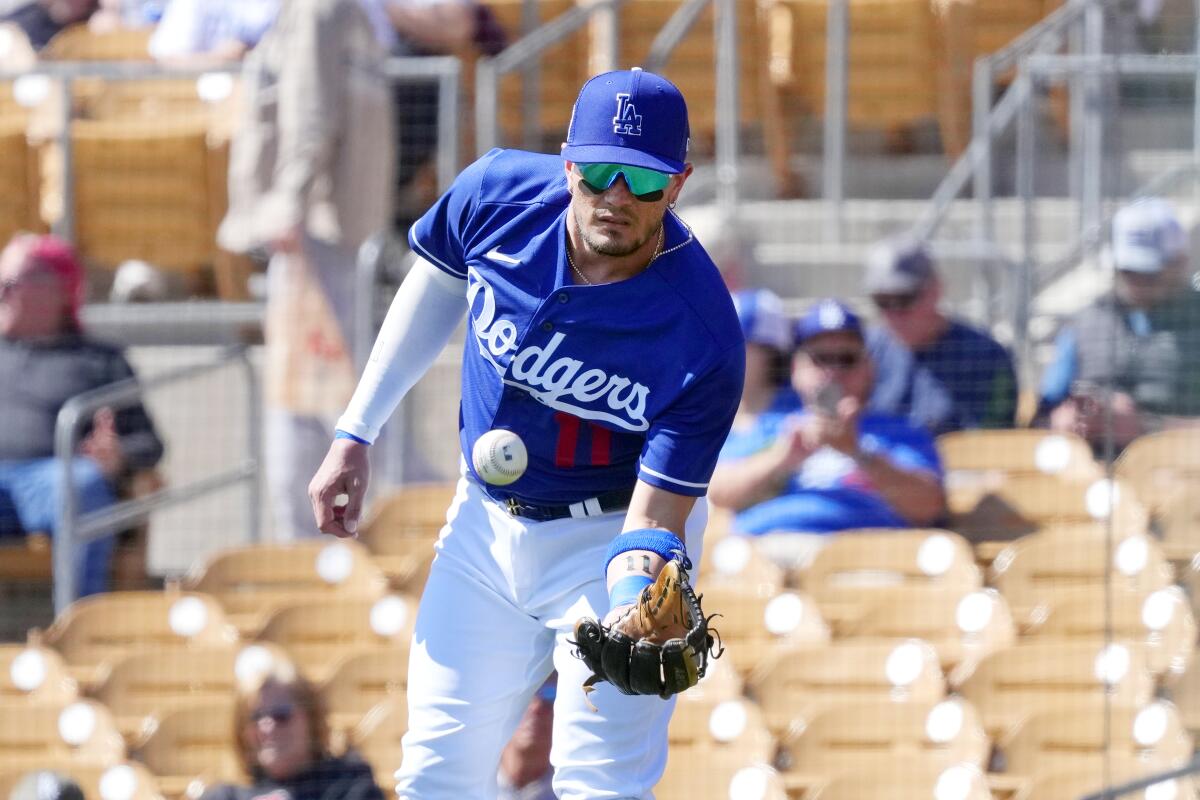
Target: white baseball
point(499, 457)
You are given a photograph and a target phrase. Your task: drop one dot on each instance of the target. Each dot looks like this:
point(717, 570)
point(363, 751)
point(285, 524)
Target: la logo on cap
point(628, 121)
point(830, 316)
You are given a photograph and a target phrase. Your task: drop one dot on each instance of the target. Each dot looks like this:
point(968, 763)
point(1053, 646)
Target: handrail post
point(65, 227)
point(834, 149)
point(1025, 174)
point(487, 86)
point(725, 43)
point(1091, 180)
point(64, 539)
point(448, 133)
point(981, 132)
point(254, 434)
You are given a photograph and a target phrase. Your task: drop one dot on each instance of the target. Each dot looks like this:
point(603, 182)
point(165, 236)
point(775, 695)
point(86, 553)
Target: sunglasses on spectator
point(895, 302)
point(280, 715)
point(836, 359)
point(646, 185)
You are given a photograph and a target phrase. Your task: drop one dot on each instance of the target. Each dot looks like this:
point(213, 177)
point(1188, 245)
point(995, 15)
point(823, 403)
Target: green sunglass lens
point(640, 180)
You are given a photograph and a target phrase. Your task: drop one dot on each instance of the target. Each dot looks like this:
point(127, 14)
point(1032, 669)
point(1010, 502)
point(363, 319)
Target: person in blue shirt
point(935, 370)
point(1129, 363)
point(835, 465)
point(768, 335)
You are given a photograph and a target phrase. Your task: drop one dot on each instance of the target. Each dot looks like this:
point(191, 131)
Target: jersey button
point(563, 297)
point(547, 326)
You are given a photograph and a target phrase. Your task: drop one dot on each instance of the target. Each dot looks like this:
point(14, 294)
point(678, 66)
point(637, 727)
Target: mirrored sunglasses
point(836, 359)
point(281, 715)
point(646, 185)
point(895, 302)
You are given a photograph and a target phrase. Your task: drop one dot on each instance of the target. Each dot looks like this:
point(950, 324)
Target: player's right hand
point(345, 471)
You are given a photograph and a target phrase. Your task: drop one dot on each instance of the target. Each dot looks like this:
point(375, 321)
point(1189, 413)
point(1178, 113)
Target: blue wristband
point(627, 590)
point(654, 540)
point(341, 434)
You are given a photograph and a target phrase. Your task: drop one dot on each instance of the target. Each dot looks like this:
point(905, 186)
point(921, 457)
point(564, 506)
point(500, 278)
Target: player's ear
point(677, 183)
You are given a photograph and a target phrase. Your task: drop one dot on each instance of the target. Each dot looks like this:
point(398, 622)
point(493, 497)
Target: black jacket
point(331, 779)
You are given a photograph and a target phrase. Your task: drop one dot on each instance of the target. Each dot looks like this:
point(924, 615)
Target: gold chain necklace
point(657, 252)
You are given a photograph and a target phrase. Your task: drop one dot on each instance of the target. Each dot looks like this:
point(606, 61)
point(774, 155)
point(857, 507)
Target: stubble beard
point(608, 247)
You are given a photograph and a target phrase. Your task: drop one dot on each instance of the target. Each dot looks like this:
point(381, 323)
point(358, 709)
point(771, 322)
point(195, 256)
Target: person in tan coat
point(310, 179)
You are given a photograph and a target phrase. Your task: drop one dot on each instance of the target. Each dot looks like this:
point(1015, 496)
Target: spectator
point(42, 19)
point(45, 359)
point(198, 33)
point(832, 466)
point(525, 771)
point(309, 178)
point(1129, 363)
point(126, 14)
point(279, 727)
point(46, 785)
point(937, 371)
point(768, 346)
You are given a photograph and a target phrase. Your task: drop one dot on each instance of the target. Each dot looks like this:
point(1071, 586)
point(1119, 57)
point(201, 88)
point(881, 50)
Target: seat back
point(721, 725)
point(1157, 464)
point(81, 732)
point(752, 623)
point(80, 43)
point(976, 455)
point(1011, 684)
point(957, 782)
point(1029, 503)
point(401, 529)
point(795, 683)
point(152, 683)
point(849, 738)
point(19, 203)
point(253, 582)
point(317, 634)
point(189, 744)
point(128, 779)
point(377, 737)
point(361, 681)
point(34, 674)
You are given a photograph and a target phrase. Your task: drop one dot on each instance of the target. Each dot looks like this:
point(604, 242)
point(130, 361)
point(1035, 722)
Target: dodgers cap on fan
point(898, 266)
point(827, 316)
point(763, 321)
point(1147, 236)
point(630, 117)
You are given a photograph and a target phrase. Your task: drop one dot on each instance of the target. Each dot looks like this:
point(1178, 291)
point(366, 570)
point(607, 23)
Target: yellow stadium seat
point(1185, 693)
point(752, 622)
point(97, 631)
point(377, 738)
point(736, 560)
point(33, 674)
point(719, 775)
point(1077, 783)
point(401, 528)
point(81, 732)
point(1010, 685)
point(854, 564)
point(910, 782)
point(703, 725)
point(189, 746)
point(254, 581)
point(80, 43)
point(149, 684)
point(128, 779)
point(1035, 571)
point(317, 634)
point(1138, 741)
point(851, 738)
point(361, 681)
point(1161, 621)
point(18, 208)
point(962, 625)
point(1156, 464)
point(796, 683)
point(976, 455)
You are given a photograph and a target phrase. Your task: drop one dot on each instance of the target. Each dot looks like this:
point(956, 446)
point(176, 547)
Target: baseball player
point(600, 332)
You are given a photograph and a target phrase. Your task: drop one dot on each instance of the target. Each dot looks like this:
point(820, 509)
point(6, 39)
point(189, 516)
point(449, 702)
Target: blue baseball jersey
point(605, 384)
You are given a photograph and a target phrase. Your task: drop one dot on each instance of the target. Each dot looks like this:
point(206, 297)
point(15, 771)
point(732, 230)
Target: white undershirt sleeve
point(427, 308)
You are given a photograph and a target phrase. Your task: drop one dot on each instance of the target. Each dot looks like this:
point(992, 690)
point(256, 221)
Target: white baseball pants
point(501, 601)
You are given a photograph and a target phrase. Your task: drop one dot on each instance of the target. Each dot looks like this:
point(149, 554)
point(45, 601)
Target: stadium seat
point(94, 632)
point(719, 775)
point(701, 726)
point(962, 625)
point(152, 683)
point(752, 622)
point(978, 454)
point(361, 681)
point(254, 581)
point(317, 634)
point(190, 746)
point(80, 43)
point(1178, 520)
point(854, 564)
point(377, 738)
point(401, 528)
point(1185, 693)
point(1010, 685)
point(736, 560)
point(1161, 621)
point(1139, 741)
point(79, 733)
point(909, 781)
point(796, 683)
point(33, 674)
point(19, 206)
point(1156, 464)
point(1036, 571)
point(1075, 784)
point(127, 780)
point(852, 738)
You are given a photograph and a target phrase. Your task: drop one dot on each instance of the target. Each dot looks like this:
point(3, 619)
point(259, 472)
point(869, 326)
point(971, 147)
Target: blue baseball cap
point(827, 316)
point(630, 117)
point(763, 321)
point(897, 266)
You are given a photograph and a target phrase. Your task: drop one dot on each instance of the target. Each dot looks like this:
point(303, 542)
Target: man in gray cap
point(1130, 363)
point(937, 371)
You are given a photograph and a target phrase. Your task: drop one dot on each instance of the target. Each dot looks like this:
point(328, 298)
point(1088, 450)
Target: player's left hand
point(659, 645)
point(345, 471)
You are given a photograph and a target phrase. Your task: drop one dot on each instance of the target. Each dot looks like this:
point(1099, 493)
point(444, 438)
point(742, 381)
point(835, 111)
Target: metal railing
point(1125, 789)
point(74, 529)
